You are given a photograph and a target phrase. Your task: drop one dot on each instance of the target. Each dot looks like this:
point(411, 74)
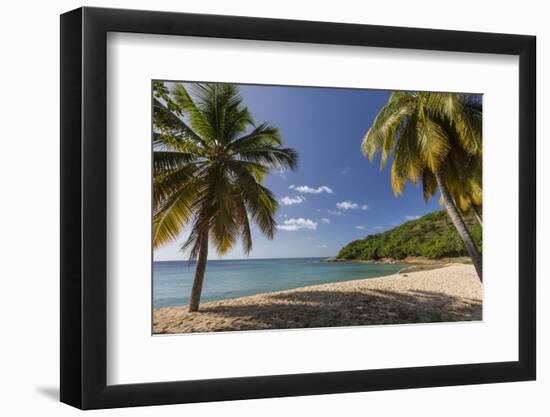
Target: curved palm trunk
point(199, 274)
point(477, 216)
point(459, 225)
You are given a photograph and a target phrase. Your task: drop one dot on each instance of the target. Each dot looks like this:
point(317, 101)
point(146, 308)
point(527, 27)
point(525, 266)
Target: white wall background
point(29, 164)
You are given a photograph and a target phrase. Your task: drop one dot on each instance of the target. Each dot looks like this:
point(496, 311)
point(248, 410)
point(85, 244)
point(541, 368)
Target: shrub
point(431, 236)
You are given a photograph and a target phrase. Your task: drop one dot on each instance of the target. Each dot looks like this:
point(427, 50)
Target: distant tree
point(432, 236)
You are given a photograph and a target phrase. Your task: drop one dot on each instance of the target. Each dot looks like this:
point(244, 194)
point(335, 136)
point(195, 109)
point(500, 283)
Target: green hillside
point(432, 236)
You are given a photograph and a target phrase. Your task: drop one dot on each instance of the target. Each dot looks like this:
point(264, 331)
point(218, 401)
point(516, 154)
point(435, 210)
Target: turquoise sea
point(172, 280)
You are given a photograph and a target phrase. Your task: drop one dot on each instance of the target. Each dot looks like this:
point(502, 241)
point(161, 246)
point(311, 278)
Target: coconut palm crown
point(435, 139)
point(210, 159)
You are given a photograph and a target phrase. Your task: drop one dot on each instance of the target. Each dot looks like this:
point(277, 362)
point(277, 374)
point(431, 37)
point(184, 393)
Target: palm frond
point(426, 133)
point(172, 214)
point(271, 157)
point(242, 219)
point(167, 122)
point(465, 120)
point(263, 134)
point(382, 135)
point(166, 161)
point(170, 182)
point(407, 164)
point(433, 143)
point(259, 201)
point(429, 185)
point(198, 121)
point(259, 171)
point(208, 167)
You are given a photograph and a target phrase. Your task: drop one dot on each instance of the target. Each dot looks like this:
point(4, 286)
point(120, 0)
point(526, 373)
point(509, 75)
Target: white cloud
point(324, 220)
point(335, 212)
point(290, 200)
point(350, 205)
point(359, 227)
point(347, 205)
point(309, 190)
point(411, 217)
point(322, 246)
point(345, 171)
point(292, 225)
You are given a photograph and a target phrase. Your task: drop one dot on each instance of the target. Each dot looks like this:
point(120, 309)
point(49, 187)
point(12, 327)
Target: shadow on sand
point(344, 308)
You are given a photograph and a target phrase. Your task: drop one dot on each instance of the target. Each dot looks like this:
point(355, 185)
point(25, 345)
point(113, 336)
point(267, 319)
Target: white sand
point(452, 293)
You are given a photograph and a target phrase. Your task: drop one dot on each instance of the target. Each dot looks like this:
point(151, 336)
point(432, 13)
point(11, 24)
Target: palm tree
point(210, 159)
point(464, 181)
point(434, 138)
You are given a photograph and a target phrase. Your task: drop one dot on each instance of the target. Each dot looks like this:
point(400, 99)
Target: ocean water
point(172, 280)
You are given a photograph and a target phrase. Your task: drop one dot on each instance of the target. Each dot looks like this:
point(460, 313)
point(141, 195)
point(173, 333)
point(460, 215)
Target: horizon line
point(243, 259)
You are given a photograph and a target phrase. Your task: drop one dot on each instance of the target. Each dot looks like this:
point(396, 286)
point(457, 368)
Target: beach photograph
point(293, 207)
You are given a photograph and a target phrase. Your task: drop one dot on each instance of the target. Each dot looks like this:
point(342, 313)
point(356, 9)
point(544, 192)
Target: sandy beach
point(451, 293)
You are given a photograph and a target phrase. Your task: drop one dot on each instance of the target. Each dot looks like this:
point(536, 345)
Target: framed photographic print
point(257, 208)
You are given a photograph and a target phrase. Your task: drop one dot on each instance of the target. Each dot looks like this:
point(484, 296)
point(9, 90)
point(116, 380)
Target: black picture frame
point(84, 207)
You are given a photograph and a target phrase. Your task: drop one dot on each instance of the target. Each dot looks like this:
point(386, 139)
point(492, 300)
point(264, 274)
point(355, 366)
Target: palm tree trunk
point(460, 225)
point(477, 216)
point(199, 274)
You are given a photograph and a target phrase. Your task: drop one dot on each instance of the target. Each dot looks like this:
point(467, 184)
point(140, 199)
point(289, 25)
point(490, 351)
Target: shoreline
point(451, 292)
point(413, 263)
point(413, 260)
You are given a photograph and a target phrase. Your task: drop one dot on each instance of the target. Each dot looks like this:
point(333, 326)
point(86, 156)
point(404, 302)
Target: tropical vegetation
point(432, 236)
point(210, 159)
point(434, 139)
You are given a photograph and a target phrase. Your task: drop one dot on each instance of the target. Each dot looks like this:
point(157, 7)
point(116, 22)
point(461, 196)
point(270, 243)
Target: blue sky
point(335, 195)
